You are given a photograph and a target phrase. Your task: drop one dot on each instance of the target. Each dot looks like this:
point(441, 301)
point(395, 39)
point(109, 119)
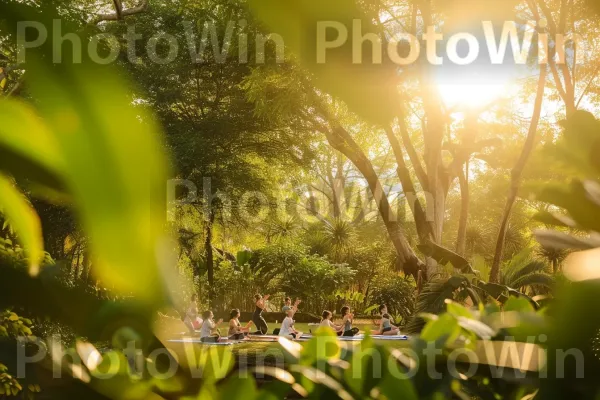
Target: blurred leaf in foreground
point(114, 167)
point(24, 220)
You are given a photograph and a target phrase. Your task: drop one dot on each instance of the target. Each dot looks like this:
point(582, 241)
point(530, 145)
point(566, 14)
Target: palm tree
point(522, 272)
point(519, 276)
point(553, 255)
point(340, 237)
point(281, 229)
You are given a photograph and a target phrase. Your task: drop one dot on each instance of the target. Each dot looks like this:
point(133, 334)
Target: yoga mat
point(361, 337)
point(197, 341)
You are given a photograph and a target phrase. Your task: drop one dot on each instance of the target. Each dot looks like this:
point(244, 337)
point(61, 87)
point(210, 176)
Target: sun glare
point(470, 95)
point(475, 88)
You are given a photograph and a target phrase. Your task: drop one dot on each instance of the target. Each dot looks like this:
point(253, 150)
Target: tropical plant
point(524, 273)
point(315, 280)
point(398, 293)
point(350, 298)
point(553, 256)
point(340, 238)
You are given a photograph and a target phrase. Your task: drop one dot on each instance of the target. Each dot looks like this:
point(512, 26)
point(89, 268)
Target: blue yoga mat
point(361, 337)
point(198, 341)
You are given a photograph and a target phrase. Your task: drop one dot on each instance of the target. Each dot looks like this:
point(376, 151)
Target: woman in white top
point(287, 326)
point(326, 320)
point(209, 332)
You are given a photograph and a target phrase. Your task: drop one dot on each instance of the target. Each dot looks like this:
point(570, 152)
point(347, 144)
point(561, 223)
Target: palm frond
point(535, 279)
point(531, 267)
point(432, 299)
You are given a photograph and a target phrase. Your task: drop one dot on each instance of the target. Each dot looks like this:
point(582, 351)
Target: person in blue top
point(347, 318)
point(287, 305)
point(385, 325)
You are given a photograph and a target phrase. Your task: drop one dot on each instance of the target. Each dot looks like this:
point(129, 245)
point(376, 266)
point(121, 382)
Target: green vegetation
point(155, 150)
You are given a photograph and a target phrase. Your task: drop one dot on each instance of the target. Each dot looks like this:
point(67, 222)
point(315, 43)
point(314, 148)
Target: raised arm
point(295, 306)
point(261, 303)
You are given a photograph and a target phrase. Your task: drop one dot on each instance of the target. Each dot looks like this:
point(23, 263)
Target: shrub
point(397, 293)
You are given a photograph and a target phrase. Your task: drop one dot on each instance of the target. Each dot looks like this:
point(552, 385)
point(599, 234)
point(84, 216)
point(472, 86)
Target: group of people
point(209, 329)
point(345, 328)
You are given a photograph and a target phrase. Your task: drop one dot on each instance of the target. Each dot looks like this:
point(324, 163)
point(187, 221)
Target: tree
point(215, 138)
point(516, 173)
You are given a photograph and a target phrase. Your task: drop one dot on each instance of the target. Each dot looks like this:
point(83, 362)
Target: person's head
point(290, 313)
point(194, 298)
point(235, 313)
point(207, 315)
point(386, 316)
point(257, 297)
point(288, 301)
point(327, 314)
point(345, 310)
point(382, 309)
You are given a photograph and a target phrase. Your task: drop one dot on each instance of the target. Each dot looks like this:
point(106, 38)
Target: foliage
point(315, 280)
point(397, 293)
point(523, 273)
point(340, 239)
point(76, 151)
point(351, 298)
point(13, 326)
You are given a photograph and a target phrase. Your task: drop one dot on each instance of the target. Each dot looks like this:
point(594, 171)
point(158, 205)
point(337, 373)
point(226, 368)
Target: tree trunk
point(434, 135)
point(516, 175)
point(424, 228)
point(461, 239)
point(342, 141)
point(208, 251)
point(337, 212)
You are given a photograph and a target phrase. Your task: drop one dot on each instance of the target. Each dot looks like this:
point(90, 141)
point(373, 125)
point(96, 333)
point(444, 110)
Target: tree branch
point(587, 87)
point(412, 154)
point(120, 13)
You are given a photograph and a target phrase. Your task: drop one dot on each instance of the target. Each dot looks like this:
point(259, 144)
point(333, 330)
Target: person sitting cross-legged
point(287, 326)
point(209, 332)
point(236, 330)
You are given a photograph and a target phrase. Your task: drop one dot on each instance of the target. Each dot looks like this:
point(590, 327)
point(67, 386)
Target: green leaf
point(457, 310)
point(396, 385)
point(578, 199)
point(237, 387)
point(324, 346)
point(321, 378)
point(277, 373)
point(519, 304)
point(243, 257)
point(24, 220)
point(365, 370)
point(561, 240)
point(445, 325)
point(477, 327)
point(28, 148)
point(554, 219)
point(114, 164)
point(216, 363)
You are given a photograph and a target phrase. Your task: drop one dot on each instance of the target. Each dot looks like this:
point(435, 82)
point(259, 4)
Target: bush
point(397, 293)
point(315, 280)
